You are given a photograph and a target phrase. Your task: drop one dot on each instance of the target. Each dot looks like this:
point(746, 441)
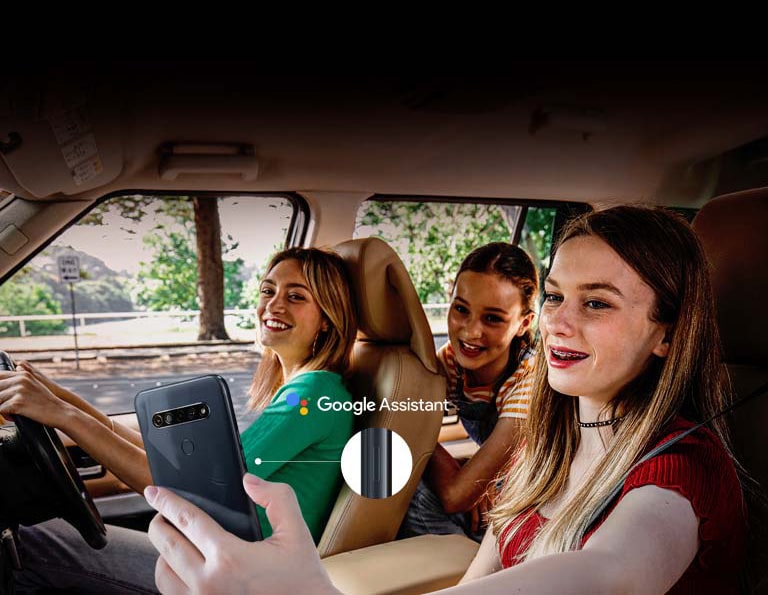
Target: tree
point(433, 238)
point(20, 296)
point(203, 212)
point(536, 236)
point(170, 280)
point(210, 270)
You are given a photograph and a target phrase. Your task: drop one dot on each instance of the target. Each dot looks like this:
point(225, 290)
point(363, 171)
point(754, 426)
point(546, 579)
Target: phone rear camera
point(168, 418)
point(191, 413)
point(157, 420)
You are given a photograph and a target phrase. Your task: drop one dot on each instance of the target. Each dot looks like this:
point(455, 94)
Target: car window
point(433, 236)
point(133, 265)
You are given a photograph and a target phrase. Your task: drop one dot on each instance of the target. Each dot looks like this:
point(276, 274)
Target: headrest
point(389, 310)
point(734, 231)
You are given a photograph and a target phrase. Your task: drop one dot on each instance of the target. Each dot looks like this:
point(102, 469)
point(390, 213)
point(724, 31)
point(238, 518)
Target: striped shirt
point(514, 394)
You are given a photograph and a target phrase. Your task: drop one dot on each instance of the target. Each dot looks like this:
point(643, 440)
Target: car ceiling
point(673, 132)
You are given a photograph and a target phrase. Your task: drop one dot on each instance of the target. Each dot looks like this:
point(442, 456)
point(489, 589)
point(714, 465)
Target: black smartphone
point(193, 447)
point(376, 463)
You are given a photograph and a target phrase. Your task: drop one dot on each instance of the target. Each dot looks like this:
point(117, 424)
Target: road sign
point(69, 269)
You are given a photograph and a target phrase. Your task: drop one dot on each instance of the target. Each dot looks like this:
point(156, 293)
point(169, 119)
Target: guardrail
point(433, 312)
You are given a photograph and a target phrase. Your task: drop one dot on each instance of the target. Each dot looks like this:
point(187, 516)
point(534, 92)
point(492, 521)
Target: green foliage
point(250, 292)
point(20, 296)
point(136, 207)
point(536, 237)
point(105, 294)
point(433, 238)
point(233, 284)
point(101, 295)
point(169, 280)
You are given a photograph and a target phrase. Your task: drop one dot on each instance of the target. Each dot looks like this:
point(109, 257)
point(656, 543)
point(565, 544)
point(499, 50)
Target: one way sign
point(69, 269)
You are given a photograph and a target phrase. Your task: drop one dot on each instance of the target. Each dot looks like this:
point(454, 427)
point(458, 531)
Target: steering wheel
point(46, 483)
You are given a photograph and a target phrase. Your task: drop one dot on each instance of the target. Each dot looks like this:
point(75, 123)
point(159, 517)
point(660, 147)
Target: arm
point(21, 393)
point(198, 556)
point(77, 401)
point(651, 528)
point(644, 546)
point(460, 487)
point(486, 560)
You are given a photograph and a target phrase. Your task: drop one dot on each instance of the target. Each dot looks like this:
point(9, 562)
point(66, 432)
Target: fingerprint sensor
point(187, 446)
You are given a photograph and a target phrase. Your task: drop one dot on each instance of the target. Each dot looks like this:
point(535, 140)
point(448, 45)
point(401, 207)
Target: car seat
point(734, 231)
point(393, 358)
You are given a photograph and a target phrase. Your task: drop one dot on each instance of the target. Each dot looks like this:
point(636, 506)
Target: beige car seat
point(393, 358)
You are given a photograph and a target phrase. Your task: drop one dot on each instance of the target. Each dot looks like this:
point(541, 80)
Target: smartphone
point(193, 448)
point(376, 463)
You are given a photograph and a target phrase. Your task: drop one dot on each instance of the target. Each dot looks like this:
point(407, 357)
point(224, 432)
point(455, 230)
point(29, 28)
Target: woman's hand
point(460, 486)
point(198, 556)
point(56, 389)
point(22, 393)
point(479, 513)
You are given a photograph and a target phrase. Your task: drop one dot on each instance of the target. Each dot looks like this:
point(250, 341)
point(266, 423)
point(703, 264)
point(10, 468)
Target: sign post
point(69, 272)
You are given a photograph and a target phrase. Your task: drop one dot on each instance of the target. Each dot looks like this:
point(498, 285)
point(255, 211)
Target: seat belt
point(662, 447)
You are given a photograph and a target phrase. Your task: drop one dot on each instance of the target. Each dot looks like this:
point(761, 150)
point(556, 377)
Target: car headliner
point(672, 133)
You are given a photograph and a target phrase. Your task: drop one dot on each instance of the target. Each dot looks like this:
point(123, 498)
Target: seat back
point(393, 358)
point(734, 231)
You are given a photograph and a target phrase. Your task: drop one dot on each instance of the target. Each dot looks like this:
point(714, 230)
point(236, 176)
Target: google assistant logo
point(293, 400)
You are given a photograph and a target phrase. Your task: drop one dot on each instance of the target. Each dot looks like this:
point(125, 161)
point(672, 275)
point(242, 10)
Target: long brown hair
point(328, 281)
point(663, 250)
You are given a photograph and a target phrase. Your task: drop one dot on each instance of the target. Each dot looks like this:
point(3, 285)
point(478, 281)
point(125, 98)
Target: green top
point(292, 433)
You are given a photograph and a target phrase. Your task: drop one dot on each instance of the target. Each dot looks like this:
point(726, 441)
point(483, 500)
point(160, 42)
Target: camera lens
point(191, 413)
point(203, 411)
point(168, 418)
point(157, 419)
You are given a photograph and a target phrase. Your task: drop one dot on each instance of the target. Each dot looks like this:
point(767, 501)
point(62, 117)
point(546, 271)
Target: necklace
point(599, 424)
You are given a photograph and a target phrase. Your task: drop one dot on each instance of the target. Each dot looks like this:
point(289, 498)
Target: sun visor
point(59, 138)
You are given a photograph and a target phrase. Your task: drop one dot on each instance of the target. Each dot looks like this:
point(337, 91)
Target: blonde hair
point(663, 250)
point(328, 281)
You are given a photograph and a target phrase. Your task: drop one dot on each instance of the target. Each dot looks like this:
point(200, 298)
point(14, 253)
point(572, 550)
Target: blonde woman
point(629, 357)
point(307, 326)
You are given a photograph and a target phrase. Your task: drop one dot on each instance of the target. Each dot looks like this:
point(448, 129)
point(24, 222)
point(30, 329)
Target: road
point(112, 385)
point(115, 394)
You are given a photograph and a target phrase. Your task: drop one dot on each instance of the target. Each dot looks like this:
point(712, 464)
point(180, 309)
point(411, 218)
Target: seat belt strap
point(662, 447)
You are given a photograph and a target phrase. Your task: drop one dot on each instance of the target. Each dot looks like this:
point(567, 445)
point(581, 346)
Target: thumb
point(279, 501)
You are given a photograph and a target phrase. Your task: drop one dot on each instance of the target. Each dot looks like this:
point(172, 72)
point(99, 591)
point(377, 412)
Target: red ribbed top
point(698, 468)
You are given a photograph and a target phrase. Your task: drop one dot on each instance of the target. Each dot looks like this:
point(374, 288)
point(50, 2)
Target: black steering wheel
point(41, 481)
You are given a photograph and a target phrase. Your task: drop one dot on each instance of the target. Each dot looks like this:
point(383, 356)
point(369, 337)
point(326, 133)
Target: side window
point(139, 266)
point(433, 238)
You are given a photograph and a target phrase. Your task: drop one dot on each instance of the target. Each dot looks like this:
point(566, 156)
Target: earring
point(314, 344)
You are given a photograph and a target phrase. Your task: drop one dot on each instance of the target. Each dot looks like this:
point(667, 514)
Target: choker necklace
point(599, 424)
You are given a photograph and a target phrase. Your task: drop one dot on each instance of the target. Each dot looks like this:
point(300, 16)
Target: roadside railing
point(436, 314)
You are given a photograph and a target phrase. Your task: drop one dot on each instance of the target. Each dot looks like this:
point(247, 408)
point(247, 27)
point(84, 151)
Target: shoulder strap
point(662, 447)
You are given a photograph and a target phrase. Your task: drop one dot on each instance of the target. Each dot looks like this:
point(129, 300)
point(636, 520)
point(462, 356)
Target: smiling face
point(596, 326)
point(290, 318)
point(485, 316)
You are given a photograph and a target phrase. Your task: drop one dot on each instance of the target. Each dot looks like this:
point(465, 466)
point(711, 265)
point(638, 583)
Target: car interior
point(570, 136)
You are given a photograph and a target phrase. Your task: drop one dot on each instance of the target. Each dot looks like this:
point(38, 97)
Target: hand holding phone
point(193, 448)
